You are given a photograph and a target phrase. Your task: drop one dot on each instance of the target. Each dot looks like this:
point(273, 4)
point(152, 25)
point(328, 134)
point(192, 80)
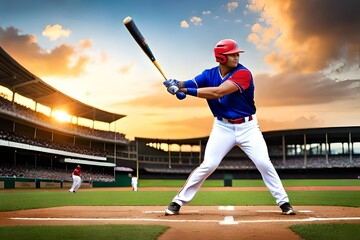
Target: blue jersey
point(235, 105)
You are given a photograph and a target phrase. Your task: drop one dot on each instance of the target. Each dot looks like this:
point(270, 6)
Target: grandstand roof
point(19, 80)
point(194, 141)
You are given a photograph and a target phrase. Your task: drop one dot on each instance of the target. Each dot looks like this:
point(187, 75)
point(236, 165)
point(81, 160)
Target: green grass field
point(254, 183)
point(19, 200)
point(113, 232)
point(29, 199)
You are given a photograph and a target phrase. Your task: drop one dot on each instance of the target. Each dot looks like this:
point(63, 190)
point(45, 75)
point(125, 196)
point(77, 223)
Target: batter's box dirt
point(194, 222)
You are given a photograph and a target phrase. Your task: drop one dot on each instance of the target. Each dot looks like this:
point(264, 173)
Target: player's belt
point(237, 120)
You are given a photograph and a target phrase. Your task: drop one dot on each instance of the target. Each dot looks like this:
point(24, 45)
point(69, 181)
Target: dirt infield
point(194, 222)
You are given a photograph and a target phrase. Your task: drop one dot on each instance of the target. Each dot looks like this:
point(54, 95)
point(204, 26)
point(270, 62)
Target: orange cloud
point(85, 44)
point(156, 109)
point(231, 6)
point(159, 98)
point(184, 24)
point(295, 89)
point(26, 50)
point(313, 33)
point(256, 28)
point(298, 123)
point(126, 68)
point(307, 39)
point(196, 21)
point(56, 31)
point(195, 127)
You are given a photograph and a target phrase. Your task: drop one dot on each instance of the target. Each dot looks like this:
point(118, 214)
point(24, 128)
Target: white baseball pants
point(76, 183)
point(134, 183)
point(224, 136)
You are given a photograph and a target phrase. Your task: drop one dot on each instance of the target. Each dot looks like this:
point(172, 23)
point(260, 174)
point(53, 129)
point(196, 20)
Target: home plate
point(228, 208)
point(276, 211)
point(228, 220)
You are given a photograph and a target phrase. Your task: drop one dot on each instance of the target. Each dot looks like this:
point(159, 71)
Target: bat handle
point(163, 75)
point(159, 68)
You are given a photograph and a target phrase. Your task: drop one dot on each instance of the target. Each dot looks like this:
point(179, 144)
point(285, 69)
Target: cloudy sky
point(304, 55)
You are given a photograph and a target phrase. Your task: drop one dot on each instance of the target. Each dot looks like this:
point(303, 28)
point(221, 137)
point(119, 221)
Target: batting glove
point(173, 89)
point(171, 82)
point(180, 95)
point(172, 85)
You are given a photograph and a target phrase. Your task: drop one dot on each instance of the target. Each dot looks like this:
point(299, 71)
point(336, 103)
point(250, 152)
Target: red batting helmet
point(226, 46)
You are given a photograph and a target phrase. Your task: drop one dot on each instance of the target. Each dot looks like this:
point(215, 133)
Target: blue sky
point(304, 57)
point(159, 22)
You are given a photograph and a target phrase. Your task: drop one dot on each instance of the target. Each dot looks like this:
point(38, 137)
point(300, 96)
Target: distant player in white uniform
point(134, 183)
point(76, 176)
point(229, 91)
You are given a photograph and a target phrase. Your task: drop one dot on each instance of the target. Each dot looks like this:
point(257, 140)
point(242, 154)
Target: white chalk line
point(189, 211)
point(114, 219)
point(225, 208)
point(227, 220)
point(230, 208)
point(276, 211)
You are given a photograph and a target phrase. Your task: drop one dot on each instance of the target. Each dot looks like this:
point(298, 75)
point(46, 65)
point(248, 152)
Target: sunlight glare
point(61, 116)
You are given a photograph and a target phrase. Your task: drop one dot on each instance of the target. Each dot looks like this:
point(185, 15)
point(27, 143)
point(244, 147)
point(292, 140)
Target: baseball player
point(76, 176)
point(229, 91)
point(134, 182)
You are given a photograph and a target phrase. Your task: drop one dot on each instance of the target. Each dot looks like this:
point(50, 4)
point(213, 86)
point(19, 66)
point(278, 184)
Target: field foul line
point(194, 211)
point(114, 219)
point(226, 208)
point(276, 211)
point(231, 208)
point(227, 220)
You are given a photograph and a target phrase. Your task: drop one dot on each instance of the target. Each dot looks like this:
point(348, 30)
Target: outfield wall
point(31, 183)
point(323, 173)
point(121, 180)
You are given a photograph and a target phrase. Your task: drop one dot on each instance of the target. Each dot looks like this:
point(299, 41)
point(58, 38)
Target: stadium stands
point(309, 149)
point(26, 171)
point(22, 112)
point(156, 160)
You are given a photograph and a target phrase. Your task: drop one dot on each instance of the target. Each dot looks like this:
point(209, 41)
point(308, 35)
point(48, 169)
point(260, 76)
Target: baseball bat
point(138, 37)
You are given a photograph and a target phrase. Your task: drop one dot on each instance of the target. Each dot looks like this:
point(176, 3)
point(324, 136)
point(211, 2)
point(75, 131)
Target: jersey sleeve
point(190, 83)
point(241, 79)
point(201, 80)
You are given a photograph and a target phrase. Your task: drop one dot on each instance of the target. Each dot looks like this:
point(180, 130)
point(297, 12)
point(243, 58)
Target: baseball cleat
point(172, 209)
point(287, 209)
